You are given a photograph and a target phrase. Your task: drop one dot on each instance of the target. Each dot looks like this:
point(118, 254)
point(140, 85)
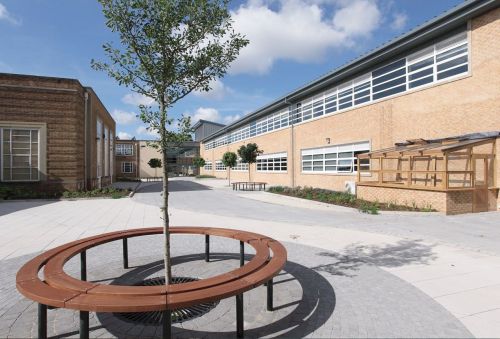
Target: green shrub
point(205, 176)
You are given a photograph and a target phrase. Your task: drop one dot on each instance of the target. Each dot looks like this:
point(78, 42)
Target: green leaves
point(198, 162)
point(154, 163)
point(169, 48)
point(249, 153)
point(229, 159)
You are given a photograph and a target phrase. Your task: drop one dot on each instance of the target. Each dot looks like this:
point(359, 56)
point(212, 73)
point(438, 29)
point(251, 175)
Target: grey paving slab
point(318, 294)
point(478, 231)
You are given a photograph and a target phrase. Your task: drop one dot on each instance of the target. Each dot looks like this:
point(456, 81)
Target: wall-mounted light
point(328, 141)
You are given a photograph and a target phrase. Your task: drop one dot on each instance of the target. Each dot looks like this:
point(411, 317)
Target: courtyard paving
point(349, 274)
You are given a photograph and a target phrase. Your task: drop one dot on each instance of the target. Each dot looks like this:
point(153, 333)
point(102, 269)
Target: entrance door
point(480, 193)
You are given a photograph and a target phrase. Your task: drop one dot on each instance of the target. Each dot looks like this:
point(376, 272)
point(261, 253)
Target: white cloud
point(124, 136)
point(5, 15)
point(230, 119)
point(298, 30)
point(137, 99)
point(205, 113)
point(399, 21)
point(358, 18)
point(123, 118)
point(218, 91)
point(141, 130)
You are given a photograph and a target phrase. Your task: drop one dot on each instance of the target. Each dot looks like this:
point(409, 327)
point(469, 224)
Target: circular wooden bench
point(59, 290)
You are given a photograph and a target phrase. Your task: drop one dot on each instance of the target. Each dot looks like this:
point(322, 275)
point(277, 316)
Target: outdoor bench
point(59, 290)
point(248, 186)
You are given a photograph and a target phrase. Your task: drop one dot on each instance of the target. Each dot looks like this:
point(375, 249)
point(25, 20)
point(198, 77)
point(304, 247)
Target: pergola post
point(446, 176)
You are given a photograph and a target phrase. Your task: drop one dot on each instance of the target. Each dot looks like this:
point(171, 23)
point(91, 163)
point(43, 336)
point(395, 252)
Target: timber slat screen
point(444, 166)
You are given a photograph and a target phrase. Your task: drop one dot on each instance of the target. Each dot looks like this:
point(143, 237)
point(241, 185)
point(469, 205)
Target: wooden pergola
point(458, 163)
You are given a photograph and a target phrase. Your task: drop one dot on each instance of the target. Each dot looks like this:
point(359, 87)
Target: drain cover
point(155, 318)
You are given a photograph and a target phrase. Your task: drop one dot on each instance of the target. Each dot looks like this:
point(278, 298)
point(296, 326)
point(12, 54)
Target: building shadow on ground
point(12, 206)
point(314, 308)
point(404, 252)
point(173, 186)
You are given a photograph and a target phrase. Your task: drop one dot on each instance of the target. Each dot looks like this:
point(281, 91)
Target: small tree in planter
point(248, 154)
point(229, 160)
point(199, 162)
point(154, 163)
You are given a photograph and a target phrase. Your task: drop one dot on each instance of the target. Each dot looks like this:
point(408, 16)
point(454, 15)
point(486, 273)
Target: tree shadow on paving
point(402, 253)
point(311, 311)
point(173, 186)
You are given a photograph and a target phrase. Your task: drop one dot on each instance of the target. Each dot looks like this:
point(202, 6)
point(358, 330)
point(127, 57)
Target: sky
point(292, 42)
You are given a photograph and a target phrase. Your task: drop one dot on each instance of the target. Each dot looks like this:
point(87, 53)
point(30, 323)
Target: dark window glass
point(452, 72)
point(361, 94)
point(391, 67)
point(420, 74)
point(452, 63)
point(392, 91)
point(390, 76)
point(349, 104)
point(421, 82)
point(389, 84)
point(421, 64)
point(451, 53)
point(362, 100)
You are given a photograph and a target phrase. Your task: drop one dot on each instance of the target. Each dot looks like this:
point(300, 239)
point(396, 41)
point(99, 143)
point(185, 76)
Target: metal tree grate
point(155, 318)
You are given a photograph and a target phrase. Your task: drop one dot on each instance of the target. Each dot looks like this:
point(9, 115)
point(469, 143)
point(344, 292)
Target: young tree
point(154, 163)
point(248, 154)
point(229, 160)
point(168, 48)
point(199, 162)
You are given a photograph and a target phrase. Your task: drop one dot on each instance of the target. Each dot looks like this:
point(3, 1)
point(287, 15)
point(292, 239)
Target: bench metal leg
point(167, 324)
point(84, 325)
point(42, 321)
point(239, 316)
point(125, 253)
point(270, 295)
point(83, 266)
point(242, 253)
point(207, 247)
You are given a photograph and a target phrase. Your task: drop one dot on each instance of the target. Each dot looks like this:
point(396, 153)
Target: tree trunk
point(249, 168)
point(164, 209)
point(229, 176)
point(166, 222)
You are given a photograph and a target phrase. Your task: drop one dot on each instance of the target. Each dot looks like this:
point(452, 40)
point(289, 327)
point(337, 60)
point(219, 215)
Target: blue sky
point(291, 43)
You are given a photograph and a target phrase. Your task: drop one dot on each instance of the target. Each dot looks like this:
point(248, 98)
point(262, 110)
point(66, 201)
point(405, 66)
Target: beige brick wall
point(401, 196)
point(464, 105)
point(59, 104)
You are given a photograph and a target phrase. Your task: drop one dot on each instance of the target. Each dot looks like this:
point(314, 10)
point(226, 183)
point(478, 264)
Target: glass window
point(334, 159)
point(20, 149)
point(127, 167)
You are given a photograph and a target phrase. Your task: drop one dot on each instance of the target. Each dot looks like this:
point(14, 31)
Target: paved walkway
point(411, 281)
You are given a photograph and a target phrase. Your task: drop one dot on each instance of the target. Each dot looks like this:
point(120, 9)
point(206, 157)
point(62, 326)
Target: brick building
point(133, 156)
point(439, 80)
point(55, 134)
